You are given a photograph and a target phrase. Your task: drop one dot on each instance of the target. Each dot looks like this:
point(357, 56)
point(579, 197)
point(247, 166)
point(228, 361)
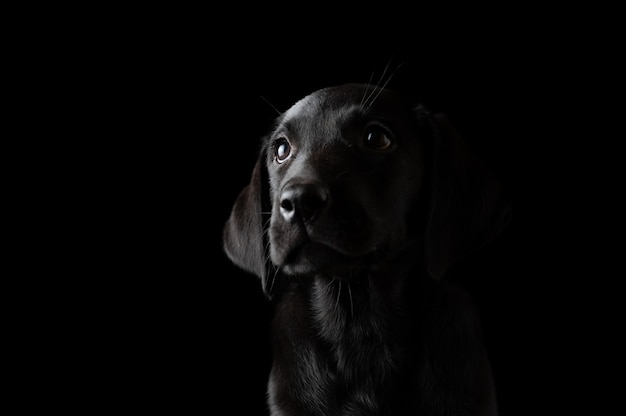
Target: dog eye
point(377, 138)
point(282, 150)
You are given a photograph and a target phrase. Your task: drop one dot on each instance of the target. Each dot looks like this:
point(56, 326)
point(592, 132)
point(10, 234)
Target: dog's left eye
point(282, 150)
point(377, 138)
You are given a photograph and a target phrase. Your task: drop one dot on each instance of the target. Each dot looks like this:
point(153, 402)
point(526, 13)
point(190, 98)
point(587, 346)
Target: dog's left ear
point(244, 237)
point(468, 206)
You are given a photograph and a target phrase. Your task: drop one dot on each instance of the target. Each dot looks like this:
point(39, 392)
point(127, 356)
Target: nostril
point(286, 208)
point(286, 205)
point(304, 201)
point(310, 203)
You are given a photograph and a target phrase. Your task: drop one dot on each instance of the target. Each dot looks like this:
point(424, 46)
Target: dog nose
point(302, 200)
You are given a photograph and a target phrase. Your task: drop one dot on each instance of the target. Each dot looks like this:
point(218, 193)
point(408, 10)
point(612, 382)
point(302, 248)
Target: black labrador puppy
point(359, 203)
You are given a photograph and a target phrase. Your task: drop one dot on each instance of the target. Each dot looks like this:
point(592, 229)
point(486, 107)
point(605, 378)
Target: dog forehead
point(318, 104)
point(334, 103)
point(327, 109)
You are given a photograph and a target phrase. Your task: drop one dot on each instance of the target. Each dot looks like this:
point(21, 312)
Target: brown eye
point(282, 150)
point(377, 138)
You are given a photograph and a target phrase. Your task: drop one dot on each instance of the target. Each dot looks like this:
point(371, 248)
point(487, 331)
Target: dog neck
point(367, 310)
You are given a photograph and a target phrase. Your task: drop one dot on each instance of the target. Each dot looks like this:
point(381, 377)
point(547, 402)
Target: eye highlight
point(282, 149)
point(377, 138)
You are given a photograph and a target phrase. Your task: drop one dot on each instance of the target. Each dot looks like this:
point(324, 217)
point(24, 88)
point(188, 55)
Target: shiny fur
point(360, 202)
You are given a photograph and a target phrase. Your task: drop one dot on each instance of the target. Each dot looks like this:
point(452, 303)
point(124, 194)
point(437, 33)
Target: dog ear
point(468, 207)
point(244, 234)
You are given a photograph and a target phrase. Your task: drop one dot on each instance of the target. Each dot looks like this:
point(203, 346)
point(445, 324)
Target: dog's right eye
point(282, 150)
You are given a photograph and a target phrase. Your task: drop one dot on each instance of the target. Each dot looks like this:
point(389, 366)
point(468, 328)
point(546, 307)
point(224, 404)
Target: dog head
point(349, 177)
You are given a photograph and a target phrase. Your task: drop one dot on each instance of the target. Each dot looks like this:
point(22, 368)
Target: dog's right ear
point(244, 234)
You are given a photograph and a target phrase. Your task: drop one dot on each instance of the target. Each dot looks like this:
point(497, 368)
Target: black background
point(172, 108)
point(207, 319)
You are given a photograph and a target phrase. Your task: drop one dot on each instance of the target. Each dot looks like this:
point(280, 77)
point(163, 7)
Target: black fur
point(359, 203)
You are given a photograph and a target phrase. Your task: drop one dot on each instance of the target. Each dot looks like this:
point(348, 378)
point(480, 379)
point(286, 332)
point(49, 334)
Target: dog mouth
point(317, 258)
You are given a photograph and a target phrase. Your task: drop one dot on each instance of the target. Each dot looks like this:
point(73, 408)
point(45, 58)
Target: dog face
point(352, 174)
point(344, 169)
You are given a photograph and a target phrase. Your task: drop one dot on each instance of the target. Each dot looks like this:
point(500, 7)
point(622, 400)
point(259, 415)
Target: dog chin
point(315, 259)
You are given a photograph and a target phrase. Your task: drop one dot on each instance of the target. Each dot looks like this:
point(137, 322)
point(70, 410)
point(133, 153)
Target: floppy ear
point(244, 236)
point(468, 207)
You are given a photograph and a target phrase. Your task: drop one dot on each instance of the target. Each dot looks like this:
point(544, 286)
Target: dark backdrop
point(181, 109)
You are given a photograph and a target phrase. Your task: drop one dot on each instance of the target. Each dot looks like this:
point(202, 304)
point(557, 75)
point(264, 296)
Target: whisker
point(351, 302)
point(271, 105)
point(363, 100)
point(382, 76)
point(338, 295)
point(266, 245)
point(385, 84)
point(331, 282)
point(276, 270)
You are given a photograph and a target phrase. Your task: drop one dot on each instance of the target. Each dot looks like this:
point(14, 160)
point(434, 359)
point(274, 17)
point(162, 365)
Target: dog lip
point(314, 257)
